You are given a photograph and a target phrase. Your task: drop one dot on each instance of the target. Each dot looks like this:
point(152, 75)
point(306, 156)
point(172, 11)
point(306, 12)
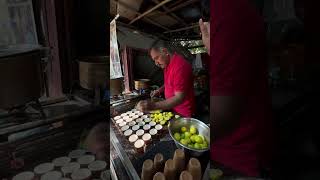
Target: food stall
point(156, 144)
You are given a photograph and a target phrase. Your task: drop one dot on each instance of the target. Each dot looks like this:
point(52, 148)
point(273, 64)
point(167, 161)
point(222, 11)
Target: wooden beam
point(172, 14)
point(182, 5)
point(145, 18)
point(182, 29)
point(150, 10)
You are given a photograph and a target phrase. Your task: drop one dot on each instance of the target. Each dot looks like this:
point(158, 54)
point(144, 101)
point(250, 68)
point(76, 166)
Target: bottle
point(158, 162)
point(147, 170)
point(170, 170)
point(185, 175)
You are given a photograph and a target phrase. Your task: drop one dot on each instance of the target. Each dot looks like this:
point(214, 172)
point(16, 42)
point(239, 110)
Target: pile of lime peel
point(191, 138)
point(162, 117)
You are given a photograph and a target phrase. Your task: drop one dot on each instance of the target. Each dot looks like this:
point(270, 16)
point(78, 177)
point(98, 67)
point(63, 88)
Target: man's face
point(160, 59)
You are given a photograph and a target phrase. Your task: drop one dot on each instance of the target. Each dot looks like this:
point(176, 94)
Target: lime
point(190, 146)
point(183, 129)
point(198, 139)
point(187, 140)
point(197, 146)
point(193, 130)
point(177, 136)
point(192, 138)
point(182, 136)
point(183, 141)
point(162, 122)
point(187, 134)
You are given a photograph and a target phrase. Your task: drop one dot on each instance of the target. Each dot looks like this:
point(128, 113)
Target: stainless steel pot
point(20, 78)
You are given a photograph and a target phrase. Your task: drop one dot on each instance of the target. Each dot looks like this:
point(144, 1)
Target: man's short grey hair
point(160, 46)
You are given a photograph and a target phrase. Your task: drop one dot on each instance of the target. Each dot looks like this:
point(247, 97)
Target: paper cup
point(97, 167)
point(52, 175)
point(138, 145)
point(129, 120)
point(139, 120)
point(146, 127)
point(153, 133)
point(124, 128)
point(147, 120)
point(27, 175)
point(41, 169)
point(117, 118)
point(128, 133)
point(133, 138)
point(132, 123)
point(82, 174)
point(146, 138)
point(70, 168)
point(135, 128)
point(60, 162)
point(152, 124)
point(140, 133)
point(141, 123)
point(75, 154)
point(85, 160)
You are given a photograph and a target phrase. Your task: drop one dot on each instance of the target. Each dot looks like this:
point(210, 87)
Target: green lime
point(183, 129)
point(177, 136)
point(190, 146)
point(187, 134)
point(183, 141)
point(198, 140)
point(197, 146)
point(193, 130)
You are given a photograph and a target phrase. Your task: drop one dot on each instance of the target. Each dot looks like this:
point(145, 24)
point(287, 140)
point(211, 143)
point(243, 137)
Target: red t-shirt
point(178, 77)
point(238, 68)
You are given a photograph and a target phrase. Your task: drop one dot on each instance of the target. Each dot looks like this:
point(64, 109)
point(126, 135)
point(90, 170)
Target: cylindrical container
point(146, 127)
point(159, 176)
point(75, 154)
point(52, 175)
point(185, 175)
point(97, 167)
point(117, 118)
point(129, 120)
point(147, 170)
point(69, 168)
point(123, 115)
point(135, 128)
point(194, 168)
point(133, 138)
point(141, 123)
point(132, 123)
point(135, 117)
point(140, 114)
point(27, 175)
point(126, 117)
point(152, 124)
point(153, 133)
point(121, 125)
point(158, 162)
point(139, 144)
point(81, 174)
point(140, 133)
point(139, 120)
point(131, 114)
point(159, 128)
point(60, 162)
point(124, 128)
point(85, 160)
point(170, 170)
point(144, 116)
point(146, 138)
point(147, 120)
point(119, 121)
point(127, 133)
point(179, 160)
point(43, 168)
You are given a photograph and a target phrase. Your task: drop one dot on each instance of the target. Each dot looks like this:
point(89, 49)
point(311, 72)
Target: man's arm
point(171, 102)
point(225, 113)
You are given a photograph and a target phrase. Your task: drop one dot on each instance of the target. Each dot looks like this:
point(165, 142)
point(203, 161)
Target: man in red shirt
point(178, 84)
point(241, 127)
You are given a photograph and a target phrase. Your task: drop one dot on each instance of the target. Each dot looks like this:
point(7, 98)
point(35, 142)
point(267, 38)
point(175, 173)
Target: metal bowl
point(175, 126)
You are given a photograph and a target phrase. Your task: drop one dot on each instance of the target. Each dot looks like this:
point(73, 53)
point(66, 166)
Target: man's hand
point(145, 106)
point(155, 93)
point(205, 34)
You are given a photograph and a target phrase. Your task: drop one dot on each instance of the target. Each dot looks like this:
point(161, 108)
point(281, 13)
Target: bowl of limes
point(191, 135)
